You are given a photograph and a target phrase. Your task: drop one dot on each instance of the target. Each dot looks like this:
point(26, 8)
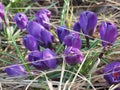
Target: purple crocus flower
point(30, 42)
point(62, 31)
point(43, 60)
point(15, 70)
point(21, 20)
point(88, 22)
point(73, 55)
point(108, 33)
point(73, 39)
point(112, 73)
point(43, 17)
point(77, 27)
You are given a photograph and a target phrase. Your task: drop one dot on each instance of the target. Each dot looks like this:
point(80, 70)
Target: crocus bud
point(43, 17)
point(112, 73)
point(43, 60)
point(73, 55)
point(88, 22)
point(21, 20)
point(62, 31)
point(16, 70)
point(2, 11)
point(77, 27)
point(74, 40)
point(108, 33)
point(34, 29)
point(46, 38)
point(30, 42)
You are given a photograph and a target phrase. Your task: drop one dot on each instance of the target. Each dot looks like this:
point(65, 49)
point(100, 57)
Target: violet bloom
point(43, 60)
point(112, 73)
point(74, 40)
point(62, 31)
point(30, 42)
point(21, 20)
point(108, 33)
point(77, 27)
point(15, 70)
point(43, 17)
point(73, 55)
point(88, 22)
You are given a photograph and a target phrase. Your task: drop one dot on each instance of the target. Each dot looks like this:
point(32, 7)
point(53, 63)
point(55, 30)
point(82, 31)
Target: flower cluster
point(39, 35)
point(39, 41)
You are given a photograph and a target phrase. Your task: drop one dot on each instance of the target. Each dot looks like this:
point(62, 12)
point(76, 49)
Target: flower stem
point(87, 41)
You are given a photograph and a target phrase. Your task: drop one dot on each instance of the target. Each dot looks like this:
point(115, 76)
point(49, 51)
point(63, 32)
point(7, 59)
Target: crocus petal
point(43, 17)
point(62, 31)
point(73, 56)
point(30, 42)
point(73, 40)
point(50, 63)
point(0, 24)
point(77, 27)
point(2, 11)
point(36, 57)
point(35, 29)
point(47, 37)
point(15, 70)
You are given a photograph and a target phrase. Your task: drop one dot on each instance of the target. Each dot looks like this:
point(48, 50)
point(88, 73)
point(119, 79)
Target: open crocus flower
point(43, 17)
point(112, 73)
point(30, 42)
point(73, 39)
point(62, 31)
point(88, 22)
point(73, 55)
point(15, 70)
point(77, 27)
point(43, 60)
point(108, 33)
point(21, 20)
